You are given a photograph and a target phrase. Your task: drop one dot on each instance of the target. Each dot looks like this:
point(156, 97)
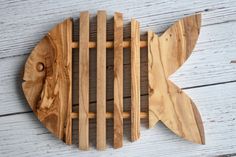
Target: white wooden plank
point(23, 135)
point(215, 49)
point(209, 63)
point(24, 23)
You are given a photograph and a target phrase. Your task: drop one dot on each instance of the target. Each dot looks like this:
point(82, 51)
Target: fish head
point(38, 68)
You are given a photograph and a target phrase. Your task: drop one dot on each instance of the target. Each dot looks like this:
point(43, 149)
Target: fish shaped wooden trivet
point(48, 80)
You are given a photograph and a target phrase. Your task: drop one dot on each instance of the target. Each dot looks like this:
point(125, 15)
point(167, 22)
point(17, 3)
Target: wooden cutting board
point(48, 80)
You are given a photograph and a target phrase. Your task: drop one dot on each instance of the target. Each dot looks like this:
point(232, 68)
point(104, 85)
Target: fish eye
point(40, 66)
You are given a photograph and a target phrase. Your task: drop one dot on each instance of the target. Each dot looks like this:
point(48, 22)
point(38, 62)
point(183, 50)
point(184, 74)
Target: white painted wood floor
point(208, 76)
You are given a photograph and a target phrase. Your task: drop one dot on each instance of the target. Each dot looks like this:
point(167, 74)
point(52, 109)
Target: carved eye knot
point(40, 66)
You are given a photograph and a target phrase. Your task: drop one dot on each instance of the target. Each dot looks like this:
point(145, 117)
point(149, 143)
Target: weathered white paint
point(23, 135)
point(23, 24)
point(209, 63)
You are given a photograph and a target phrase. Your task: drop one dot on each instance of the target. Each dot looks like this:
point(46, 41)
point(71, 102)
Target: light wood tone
point(167, 102)
point(118, 80)
point(68, 137)
point(46, 88)
point(212, 38)
point(101, 80)
point(110, 115)
point(135, 80)
point(110, 44)
point(84, 81)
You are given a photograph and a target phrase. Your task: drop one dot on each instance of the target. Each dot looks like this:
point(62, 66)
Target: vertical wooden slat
point(84, 81)
point(68, 138)
point(135, 80)
point(118, 80)
point(101, 80)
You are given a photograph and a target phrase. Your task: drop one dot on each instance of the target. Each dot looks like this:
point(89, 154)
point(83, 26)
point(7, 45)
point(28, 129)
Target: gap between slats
point(101, 115)
point(110, 44)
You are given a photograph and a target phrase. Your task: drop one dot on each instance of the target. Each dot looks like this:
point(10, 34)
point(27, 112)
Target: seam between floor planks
point(207, 85)
point(187, 87)
point(127, 97)
point(142, 27)
point(145, 132)
point(158, 32)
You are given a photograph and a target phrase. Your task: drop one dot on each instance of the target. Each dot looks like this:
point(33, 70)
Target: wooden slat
point(84, 81)
point(118, 80)
point(135, 80)
point(220, 141)
point(110, 44)
point(110, 115)
point(68, 134)
point(101, 80)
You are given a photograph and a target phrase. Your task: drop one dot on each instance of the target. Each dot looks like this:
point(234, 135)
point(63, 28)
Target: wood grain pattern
point(110, 44)
point(206, 66)
point(84, 81)
point(167, 102)
point(110, 115)
point(48, 85)
point(68, 50)
point(118, 80)
point(101, 80)
point(27, 125)
point(135, 80)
